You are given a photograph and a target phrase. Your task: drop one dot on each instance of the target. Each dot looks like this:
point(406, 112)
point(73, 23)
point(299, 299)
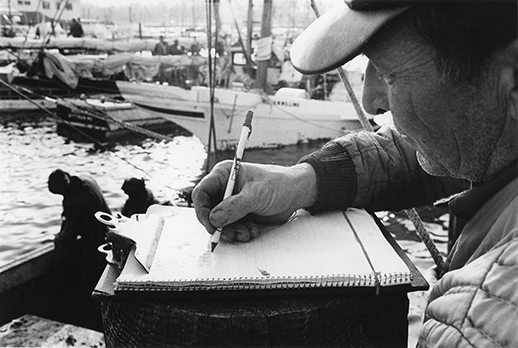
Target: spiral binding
point(279, 282)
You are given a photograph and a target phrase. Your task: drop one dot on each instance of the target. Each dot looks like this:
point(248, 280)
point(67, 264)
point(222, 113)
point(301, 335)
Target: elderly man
point(448, 72)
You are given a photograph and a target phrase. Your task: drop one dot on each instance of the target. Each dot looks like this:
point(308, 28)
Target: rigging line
point(104, 116)
point(411, 213)
point(241, 108)
point(26, 36)
point(215, 10)
point(101, 114)
point(241, 41)
point(59, 119)
point(54, 19)
point(318, 125)
point(16, 55)
point(46, 110)
point(209, 26)
point(212, 128)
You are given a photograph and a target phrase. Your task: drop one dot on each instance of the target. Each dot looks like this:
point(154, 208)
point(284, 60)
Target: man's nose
point(374, 94)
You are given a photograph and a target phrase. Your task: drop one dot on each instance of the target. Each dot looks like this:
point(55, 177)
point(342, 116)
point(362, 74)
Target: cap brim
point(336, 37)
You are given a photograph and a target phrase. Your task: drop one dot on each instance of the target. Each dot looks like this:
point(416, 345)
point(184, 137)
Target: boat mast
point(266, 31)
point(212, 6)
point(248, 45)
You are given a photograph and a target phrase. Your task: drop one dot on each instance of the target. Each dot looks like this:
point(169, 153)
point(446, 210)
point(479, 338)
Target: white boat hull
point(279, 120)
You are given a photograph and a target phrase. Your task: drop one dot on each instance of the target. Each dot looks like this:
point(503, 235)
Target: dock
point(33, 331)
point(42, 283)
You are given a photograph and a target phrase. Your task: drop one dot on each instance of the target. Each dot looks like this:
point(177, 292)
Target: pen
point(245, 134)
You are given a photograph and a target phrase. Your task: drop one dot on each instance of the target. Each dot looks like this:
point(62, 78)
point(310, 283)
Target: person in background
point(175, 50)
point(82, 198)
point(161, 48)
point(139, 197)
point(77, 243)
point(195, 47)
point(76, 29)
point(448, 72)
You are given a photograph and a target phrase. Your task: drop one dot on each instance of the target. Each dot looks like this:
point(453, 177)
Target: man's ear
point(507, 61)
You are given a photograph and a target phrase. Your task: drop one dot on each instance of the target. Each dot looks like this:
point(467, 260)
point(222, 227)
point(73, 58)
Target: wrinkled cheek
point(406, 119)
point(402, 121)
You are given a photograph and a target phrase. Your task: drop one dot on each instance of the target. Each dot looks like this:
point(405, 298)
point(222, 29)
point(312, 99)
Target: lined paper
point(323, 250)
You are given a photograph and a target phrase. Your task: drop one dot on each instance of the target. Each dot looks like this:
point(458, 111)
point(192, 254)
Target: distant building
point(36, 10)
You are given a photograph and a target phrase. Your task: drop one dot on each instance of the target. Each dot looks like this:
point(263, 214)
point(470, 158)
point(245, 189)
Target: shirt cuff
point(336, 177)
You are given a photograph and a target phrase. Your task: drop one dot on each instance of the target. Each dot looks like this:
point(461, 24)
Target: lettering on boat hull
point(192, 114)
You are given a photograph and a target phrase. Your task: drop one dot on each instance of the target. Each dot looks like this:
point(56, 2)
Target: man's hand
point(264, 194)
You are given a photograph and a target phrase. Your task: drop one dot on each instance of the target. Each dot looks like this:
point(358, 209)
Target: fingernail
point(219, 218)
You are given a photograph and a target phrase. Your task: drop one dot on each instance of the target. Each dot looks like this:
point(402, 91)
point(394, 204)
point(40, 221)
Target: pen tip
point(213, 246)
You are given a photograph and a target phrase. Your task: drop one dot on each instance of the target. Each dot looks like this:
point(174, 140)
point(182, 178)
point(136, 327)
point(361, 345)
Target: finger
point(228, 236)
point(236, 232)
point(208, 191)
point(252, 228)
point(230, 210)
point(215, 182)
point(234, 208)
point(203, 217)
point(202, 207)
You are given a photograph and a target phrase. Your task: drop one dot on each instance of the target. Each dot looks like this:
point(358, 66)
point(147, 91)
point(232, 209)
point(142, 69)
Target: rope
point(102, 115)
point(36, 11)
point(241, 41)
point(411, 213)
point(56, 18)
point(300, 119)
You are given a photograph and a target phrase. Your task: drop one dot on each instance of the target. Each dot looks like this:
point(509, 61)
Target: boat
point(102, 121)
point(286, 118)
point(284, 115)
point(60, 76)
point(179, 92)
point(289, 116)
point(30, 93)
point(83, 43)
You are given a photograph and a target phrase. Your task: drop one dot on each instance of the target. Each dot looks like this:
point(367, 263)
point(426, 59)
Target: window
point(68, 7)
point(45, 5)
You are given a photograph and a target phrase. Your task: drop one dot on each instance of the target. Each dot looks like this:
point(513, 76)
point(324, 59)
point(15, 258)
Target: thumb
point(232, 209)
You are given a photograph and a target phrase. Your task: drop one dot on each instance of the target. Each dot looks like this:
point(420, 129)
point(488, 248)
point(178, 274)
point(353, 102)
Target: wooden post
point(324, 320)
point(262, 66)
point(249, 28)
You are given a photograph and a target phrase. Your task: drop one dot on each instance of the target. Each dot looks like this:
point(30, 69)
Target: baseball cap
point(341, 33)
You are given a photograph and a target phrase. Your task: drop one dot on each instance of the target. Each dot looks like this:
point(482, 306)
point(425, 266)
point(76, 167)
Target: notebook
point(327, 250)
